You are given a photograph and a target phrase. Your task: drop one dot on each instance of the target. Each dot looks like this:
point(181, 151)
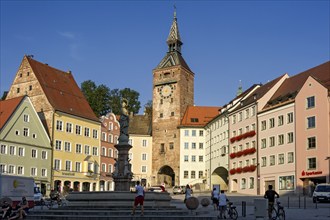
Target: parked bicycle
point(231, 211)
point(278, 212)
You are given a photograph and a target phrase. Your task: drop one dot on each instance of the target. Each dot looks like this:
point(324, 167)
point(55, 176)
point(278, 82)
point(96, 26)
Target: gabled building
point(192, 145)
point(243, 129)
point(25, 146)
point(71, 124)
point(110, 130)
point(140, 137)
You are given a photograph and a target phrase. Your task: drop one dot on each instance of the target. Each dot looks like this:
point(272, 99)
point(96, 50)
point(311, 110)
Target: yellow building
point(70, 122)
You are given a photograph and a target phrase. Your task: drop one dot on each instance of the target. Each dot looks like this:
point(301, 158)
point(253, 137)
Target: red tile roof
point(7, 108)
point(199, 116)
point(61, 90)
point(291, 86)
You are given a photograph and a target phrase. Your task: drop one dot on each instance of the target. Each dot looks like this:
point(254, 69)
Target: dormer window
point(194, 119)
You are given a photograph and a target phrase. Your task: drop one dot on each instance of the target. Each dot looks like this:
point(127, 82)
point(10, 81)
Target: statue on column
point(124, 122)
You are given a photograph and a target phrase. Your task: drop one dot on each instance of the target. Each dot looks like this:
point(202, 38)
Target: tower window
point(161, 115)
point(30, 87)
point(172, 113)
point(17, 90)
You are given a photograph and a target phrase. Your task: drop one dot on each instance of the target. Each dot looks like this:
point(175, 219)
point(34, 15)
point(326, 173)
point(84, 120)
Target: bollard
point(288, 202)
point(304, 202)
point(299, 201)
point(243, 208)
point(316, 204)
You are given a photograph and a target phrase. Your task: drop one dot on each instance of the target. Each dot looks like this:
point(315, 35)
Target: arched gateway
point(166, 176)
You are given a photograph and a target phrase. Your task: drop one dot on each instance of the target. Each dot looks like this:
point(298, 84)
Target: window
point(200, 174)
point(194, 120)
point(110, 126)
point(17, 90)
point(271, 141)
point(240, 116)
point(161, 115)
point(281, 139)
point(271, 160)
point(263, 161)
point(290, 137)
point(78, 167)
point(311, 143)
point(286, 183)
point(95, 134)
point(110, 139)
point(11, 169)
point(95, 151)
point(290, 117)
point(103, 167)
point(281, 159)
point(57, 164)
point(12, 150)
point(20, 170)
point(67, 146)
point(186, 158)
point(200, 158)
point(171, 145)
point(186, 133)
point(290, 157)
point(33, 171)
point(2, 168)
point(59, 125)
point(280, 120)
point(263, 143)
point(17, 132)
point(311, 122)
point(44, 155)
point(86, 149)
point(201, 146)
point(25, 132)
point(201, 133)
point(186, 145)
point(86, 132)
point(162, 148)
point(193, 133)
point(144, 143)
point(30, 87)
point(103, 151)
point(193, 158)
point(253, 110)
point(311, 163)
point(21, 152)
point(144, 156)
point(43, 172)
point(185, 174)
point(310, 102)
point(78, 148)
point(234, 119)
point(34, 135)
point(251, 186)
point(103, 136)
point(69, 127)
point(58, 145)
point(26, 118)
point(68, 165)
point(243, 183)
point(193, 174)
point(263, 125)
point(110, 167)
point(271, 123)
point(34, 153)
point(3, 149)
point(247, 113)
point(143, 169)
point(110, 152)
point(78, 129)
point(193, 145)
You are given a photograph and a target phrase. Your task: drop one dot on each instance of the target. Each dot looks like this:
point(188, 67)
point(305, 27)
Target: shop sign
point(311, 173)
point(67, 174)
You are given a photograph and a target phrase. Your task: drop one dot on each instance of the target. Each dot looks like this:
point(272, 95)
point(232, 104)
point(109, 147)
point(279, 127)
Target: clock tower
point(173, 91)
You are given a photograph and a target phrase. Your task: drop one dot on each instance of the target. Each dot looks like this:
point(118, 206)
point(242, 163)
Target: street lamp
point(328, 158)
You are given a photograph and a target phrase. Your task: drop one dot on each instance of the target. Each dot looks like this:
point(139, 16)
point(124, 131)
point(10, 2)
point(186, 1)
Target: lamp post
point(328, 159)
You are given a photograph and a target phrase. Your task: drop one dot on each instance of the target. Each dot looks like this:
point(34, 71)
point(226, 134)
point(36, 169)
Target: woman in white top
point(187, 193)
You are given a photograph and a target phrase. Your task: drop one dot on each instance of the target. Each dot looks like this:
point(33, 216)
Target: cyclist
point(270, 195)
point(222, 204)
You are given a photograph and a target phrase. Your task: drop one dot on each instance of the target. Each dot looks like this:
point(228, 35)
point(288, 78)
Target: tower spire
point(174, 40)
point(240, 89)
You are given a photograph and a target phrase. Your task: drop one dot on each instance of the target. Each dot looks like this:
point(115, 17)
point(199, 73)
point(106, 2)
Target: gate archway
point(220, 177)
point(166, 176)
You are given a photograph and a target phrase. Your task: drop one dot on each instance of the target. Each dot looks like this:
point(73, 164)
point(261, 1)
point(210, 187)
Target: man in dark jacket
point(270, 195)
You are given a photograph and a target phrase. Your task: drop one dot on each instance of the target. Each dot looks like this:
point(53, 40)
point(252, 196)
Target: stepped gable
point(259, 93)
point(7, 108)
point(140, 124)
point(62, 91)
point(291, 86)
point(199, 116)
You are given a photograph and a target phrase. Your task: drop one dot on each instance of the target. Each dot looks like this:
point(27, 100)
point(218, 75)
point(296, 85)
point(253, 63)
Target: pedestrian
point(139, 199)
point(187, 193)
point(215, 198)
point(222, 204)
point(270, 195)
point(6, 209)
point(22, 208)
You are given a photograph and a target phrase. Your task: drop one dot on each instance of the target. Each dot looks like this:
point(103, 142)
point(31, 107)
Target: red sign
point(311, 173)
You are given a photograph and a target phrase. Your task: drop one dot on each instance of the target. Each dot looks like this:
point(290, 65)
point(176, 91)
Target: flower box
point(238, 170)
point(239, 153)
point(232, 171)
point(232, 155)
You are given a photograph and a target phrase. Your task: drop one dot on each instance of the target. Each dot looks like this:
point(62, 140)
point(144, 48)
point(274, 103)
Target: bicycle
point(231, 211)
point(278, 211)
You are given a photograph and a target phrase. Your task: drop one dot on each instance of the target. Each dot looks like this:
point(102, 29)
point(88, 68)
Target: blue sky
point(119, 43)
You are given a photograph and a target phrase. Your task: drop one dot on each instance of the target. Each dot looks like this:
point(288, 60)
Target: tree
point(148, 107)
point(131, 95)
point(98, 97)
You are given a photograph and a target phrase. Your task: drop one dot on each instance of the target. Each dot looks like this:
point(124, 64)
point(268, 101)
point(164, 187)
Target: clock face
point(166, 91)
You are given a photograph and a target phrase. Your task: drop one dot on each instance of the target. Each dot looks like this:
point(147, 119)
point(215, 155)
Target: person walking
point(187, 193)
point(139, 199)
point(222, 204)
point(215, 198)
point(270, 195)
